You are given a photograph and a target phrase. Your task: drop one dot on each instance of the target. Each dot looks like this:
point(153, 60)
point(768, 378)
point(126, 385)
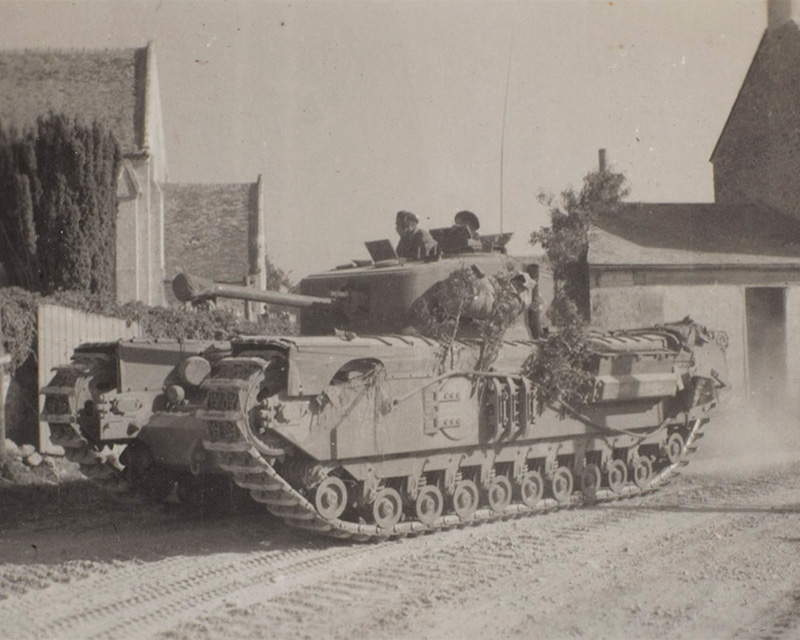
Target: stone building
point(758, 153)
point(160, 226)
point(733, 264)
point(206, 233)
point(731, 267)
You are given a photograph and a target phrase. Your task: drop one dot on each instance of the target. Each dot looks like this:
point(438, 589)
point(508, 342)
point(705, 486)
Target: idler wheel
point(429, 504)
point(617, 475)
point(590, 481)
point(387, 508)
point(531, 488)
point(330, 498)
point(465, 499)
point(561, 484)
point(642, 471)
point(675, 447)
point(499, 494)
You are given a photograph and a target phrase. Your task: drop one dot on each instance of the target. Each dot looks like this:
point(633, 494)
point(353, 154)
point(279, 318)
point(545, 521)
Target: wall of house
point(757, 157)
point(258, 236)
point(140, 238)
point(155, 245)
point(153, 121)
point(770, 177)
point(126, 254)
point(717, 306)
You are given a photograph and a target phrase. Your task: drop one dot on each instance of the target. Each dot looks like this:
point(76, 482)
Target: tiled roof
point(104, 85)
point(709, 234)
point(209, 230)
point(768, 103)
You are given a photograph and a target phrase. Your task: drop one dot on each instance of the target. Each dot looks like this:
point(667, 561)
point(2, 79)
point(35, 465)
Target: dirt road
point(716, 554)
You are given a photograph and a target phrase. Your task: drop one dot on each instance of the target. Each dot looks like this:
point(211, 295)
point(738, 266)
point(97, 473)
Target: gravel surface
point(716, 554)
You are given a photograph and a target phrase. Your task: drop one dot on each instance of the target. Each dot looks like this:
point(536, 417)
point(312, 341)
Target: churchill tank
point(107, 409)
point(406, 404)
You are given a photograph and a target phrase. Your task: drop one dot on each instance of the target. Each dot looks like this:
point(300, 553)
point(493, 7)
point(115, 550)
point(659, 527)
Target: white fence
point(60, 330)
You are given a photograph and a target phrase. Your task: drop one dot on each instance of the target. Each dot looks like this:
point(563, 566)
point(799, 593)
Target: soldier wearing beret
point(415, 243)
point(470, 221)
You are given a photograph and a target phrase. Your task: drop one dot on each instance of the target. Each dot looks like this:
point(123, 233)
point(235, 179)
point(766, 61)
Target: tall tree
point(566, 240)
point(58, 205)
point(560, 367)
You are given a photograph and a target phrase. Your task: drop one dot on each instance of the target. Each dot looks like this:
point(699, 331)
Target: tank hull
point(382, 436)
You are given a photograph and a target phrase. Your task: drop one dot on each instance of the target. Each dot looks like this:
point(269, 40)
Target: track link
point(64, 398)
point(253, 470)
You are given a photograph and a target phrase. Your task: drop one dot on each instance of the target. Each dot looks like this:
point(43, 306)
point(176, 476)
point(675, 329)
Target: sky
point(350, 111)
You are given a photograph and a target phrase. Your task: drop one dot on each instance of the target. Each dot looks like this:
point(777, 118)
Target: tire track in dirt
point(417, 574)
point(459, 569)
point(785, 616)
point(138, 599)
point(675, 579)
point(323, 589)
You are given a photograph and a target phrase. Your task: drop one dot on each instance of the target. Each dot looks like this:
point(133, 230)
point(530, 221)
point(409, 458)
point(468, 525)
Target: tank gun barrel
point(189, 288)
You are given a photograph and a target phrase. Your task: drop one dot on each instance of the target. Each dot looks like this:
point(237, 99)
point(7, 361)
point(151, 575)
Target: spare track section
point(254, 471)
point(64, 398)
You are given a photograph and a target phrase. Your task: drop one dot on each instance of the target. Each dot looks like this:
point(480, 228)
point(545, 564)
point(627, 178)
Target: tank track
point(64, 398)
point(253, 469)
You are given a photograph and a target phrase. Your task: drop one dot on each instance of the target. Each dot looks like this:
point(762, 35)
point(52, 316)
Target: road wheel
point(499, 494)
point(590, 481)
point(387, 508)
point(330, 498)
point(617, 475)
point(561, 484)
point(531, 488)
point(429, 504)
point(642, 472)
point(465, 499)
point(675, 447)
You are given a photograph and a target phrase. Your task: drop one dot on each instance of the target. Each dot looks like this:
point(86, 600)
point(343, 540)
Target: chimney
point(780, 12)
point(601, 156)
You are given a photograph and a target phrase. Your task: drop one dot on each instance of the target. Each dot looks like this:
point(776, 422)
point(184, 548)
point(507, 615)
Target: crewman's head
point(467, 219)
point(406, 222)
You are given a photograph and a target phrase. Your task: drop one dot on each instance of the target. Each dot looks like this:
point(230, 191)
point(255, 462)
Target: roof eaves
point(695, 266)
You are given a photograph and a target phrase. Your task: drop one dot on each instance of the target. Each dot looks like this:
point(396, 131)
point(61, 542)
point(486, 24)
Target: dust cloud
point(742, 440)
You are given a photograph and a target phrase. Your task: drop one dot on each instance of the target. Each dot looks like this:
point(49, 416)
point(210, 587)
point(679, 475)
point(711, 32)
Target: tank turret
point(382, 295)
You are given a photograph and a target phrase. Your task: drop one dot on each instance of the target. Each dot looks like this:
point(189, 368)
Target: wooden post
point(4, 360)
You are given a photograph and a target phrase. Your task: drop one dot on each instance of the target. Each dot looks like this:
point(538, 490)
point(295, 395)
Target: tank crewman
point(470, 221)
point(415, 242)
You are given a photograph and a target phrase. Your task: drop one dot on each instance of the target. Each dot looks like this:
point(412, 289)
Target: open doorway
point(766, 345)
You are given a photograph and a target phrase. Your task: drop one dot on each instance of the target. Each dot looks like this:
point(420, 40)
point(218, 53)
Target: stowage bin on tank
point(395, 411)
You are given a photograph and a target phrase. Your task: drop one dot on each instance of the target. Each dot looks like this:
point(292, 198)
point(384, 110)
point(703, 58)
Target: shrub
point(205, 322)
point(566, 240)
point(560, 366)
